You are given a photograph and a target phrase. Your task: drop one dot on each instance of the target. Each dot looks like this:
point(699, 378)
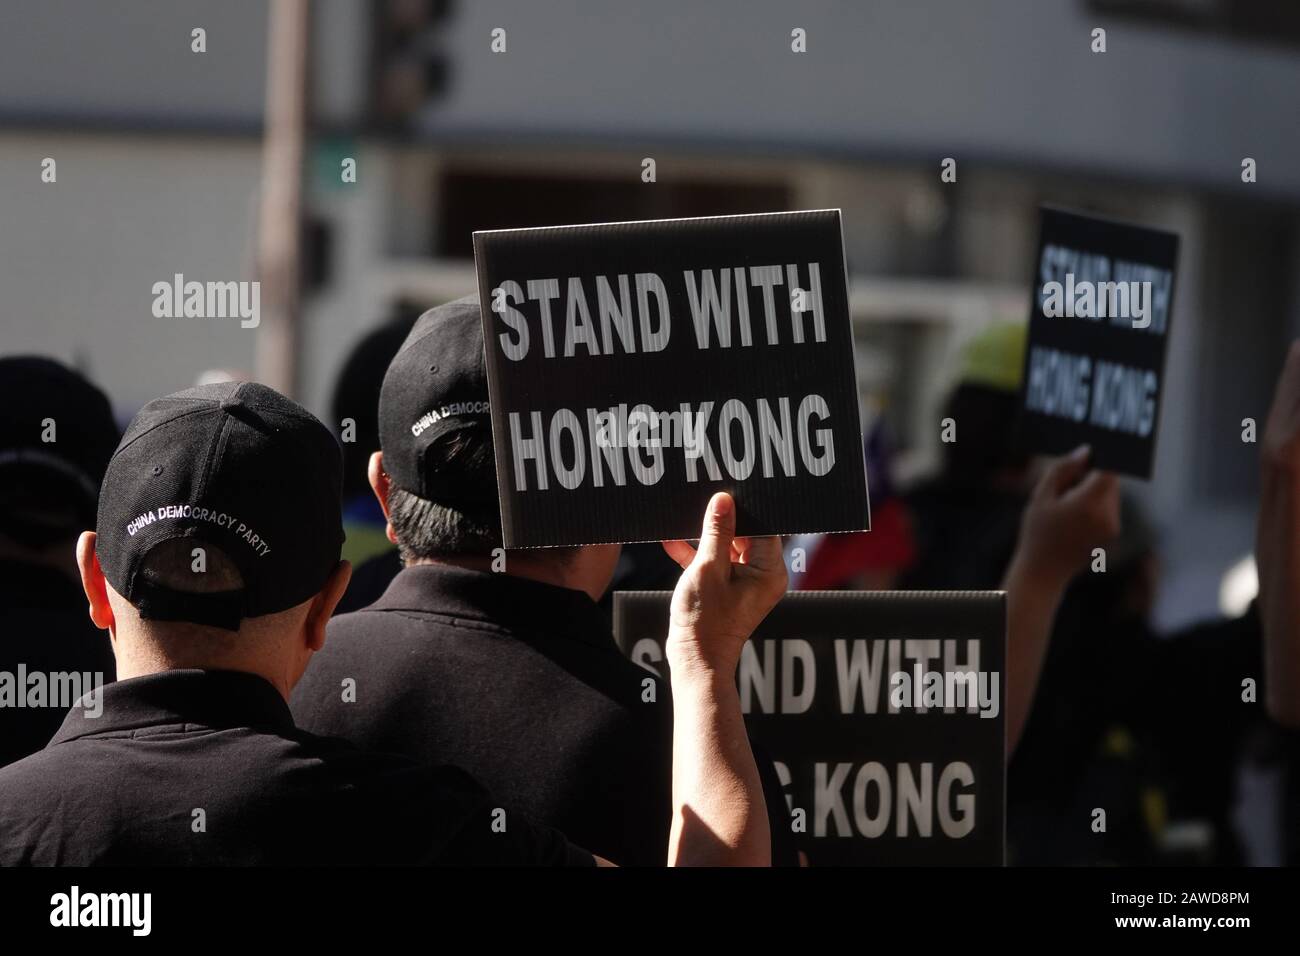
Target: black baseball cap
point(235, 465)
point(35, 391)
point(437, 386)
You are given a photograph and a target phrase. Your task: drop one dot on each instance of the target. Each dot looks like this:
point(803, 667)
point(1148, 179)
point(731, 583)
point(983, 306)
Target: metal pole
point(280, 212)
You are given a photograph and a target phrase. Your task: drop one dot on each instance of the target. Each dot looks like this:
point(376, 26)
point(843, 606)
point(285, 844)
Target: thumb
point(719, 530)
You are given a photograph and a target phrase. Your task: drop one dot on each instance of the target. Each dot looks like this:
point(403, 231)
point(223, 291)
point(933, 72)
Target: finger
point(1065, 472)
point(1095, 485)
point(1101, 489)
point(681, 552)
point(719, 530)
point(763, 554)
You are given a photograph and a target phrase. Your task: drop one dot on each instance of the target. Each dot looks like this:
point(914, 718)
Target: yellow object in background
point(996, 357)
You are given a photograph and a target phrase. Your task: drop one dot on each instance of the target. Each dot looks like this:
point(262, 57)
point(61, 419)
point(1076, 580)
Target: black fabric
point(965, 536)
point(521, 684)
point(369, 581)
point(437, 384)
point(236, 465)
point(44, 629)
point(123, 788)
point(156, 601)
point(356, 395)
point(34, 389)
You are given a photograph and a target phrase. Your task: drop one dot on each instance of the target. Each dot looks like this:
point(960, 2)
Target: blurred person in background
point(965, 518)
point(1152, 727)
point(1123, 719)
point(57, 434)
point(1085, 745)
point(374, 558)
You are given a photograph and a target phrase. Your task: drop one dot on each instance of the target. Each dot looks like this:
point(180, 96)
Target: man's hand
point(728, 586)
point(1069, 514)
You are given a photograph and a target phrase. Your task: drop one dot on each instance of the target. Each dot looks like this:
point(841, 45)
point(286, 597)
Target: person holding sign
point(499, 661)
point(984, 522)
point(1071, 511)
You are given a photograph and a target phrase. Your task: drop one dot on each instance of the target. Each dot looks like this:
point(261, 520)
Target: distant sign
point(636, 368)
point(1098, 327)
point(883, 712)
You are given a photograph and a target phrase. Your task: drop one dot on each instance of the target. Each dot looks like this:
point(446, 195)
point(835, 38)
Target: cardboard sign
point(883, 712)
point(1098, 326)
point(637, 368)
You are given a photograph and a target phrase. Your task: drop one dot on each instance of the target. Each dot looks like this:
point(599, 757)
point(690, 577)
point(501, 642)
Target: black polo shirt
point(521, 684)
point(206, 767)
point(45, 630)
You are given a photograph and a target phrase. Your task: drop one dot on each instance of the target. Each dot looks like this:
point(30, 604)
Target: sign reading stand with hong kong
point(1103, 295)
point(637, 368)
point(884, 713)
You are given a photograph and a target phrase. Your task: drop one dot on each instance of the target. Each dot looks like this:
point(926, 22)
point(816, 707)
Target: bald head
point(276, 646)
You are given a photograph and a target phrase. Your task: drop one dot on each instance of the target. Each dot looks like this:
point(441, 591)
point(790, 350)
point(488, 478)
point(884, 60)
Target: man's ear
point(322, 608)
point(93, 583)
point(379, 482)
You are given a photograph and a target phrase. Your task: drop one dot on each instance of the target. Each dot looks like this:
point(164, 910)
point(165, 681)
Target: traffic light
point(408, 67)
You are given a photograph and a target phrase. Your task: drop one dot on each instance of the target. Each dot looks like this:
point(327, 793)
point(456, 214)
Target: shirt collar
point(206, 698)
point(503, 600)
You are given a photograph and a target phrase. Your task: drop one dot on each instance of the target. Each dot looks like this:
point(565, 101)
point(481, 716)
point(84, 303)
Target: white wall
point(78, 257)
point(1006, 80)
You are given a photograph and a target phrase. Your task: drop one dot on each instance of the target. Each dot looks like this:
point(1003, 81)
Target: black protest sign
point(883, 712)
point(1102, 300)
point(637, 368)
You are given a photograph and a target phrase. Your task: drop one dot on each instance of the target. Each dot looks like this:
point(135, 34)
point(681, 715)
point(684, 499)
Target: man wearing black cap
point(214, 567)
point(502, 664)
point(56, 436)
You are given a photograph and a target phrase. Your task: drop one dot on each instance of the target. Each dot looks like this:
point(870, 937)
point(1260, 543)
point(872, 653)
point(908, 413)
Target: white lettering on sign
point(1108, 395)
point(877, 803)
point(767, 438)
point(629, 313)
point(876, 676)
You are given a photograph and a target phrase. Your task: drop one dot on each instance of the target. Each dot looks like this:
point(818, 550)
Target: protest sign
point(883, 712)
point(637, 368)
point(1098, 328)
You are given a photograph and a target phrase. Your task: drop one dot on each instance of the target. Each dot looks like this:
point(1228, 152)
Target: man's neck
point(519, 566)
point(137, 658)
